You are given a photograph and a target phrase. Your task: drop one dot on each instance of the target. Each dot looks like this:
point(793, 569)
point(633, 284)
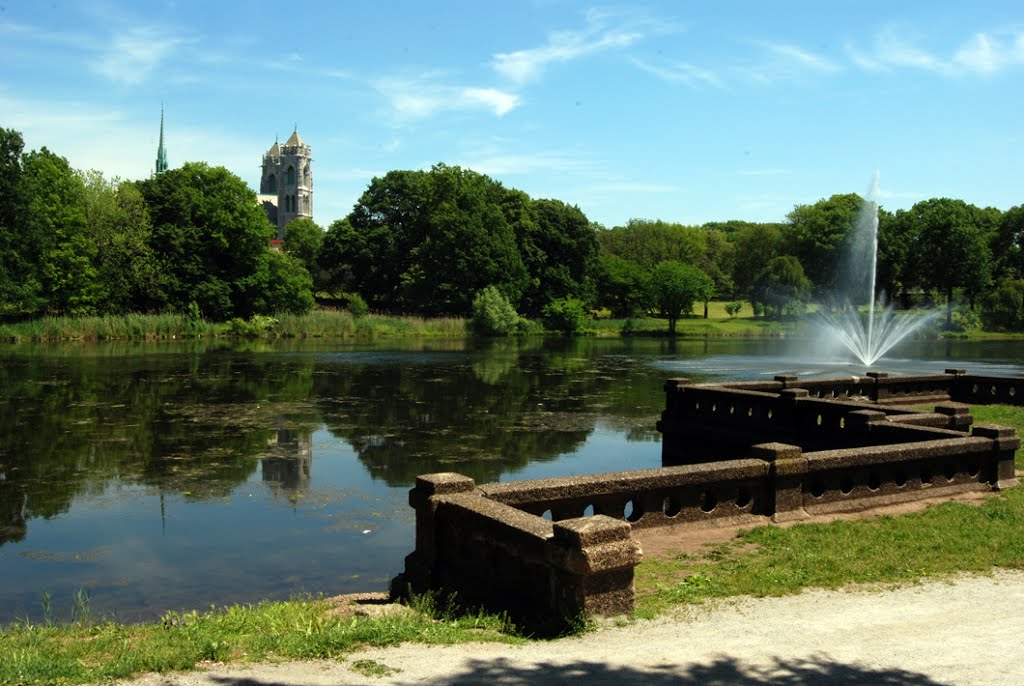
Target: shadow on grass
point(722, 671)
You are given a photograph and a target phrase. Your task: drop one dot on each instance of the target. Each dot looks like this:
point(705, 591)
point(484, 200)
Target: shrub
point(567, 315)
point(356, 305)
point(733, 308)
point(493, 314)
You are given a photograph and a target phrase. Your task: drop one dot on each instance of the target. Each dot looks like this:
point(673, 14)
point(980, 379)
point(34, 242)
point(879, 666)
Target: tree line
point(431, 242)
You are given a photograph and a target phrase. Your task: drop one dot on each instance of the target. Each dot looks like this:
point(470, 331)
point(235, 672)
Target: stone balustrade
point(549, 550)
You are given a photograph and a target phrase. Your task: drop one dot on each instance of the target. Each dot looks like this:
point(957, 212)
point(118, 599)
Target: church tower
point(286, 187)
point(161, 152)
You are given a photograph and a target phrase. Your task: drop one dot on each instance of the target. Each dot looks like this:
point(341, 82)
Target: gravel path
point(964, 632)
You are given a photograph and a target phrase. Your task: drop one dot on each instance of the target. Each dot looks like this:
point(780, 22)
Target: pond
point(159, 476)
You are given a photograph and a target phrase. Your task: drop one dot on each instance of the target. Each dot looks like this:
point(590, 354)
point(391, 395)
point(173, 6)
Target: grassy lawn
point(940, 541)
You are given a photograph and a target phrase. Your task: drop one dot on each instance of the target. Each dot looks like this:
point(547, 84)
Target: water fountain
point(868, 337)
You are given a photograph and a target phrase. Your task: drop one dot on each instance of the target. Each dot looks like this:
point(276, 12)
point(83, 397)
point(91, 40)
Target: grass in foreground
point(87, 652)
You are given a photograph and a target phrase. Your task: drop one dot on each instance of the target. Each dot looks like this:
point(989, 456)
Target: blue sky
point(684, 111)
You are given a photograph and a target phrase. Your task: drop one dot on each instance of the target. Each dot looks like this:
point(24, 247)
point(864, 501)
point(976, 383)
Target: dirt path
point(969, 631)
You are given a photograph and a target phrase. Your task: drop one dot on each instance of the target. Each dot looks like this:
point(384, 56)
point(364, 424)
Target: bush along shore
point(941, 541)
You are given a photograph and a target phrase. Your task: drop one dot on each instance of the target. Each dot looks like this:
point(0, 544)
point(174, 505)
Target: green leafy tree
point(755, 246)
point(952, 250)
point(567, 315)
point(280, 283)
point(674, 287)
point(117, 222)
point(621, 285)
point(54, 218)
point(340, 245)
point(817, 234)
point(648, 242)
point(210, 238)
point(1008, 245)
point(558, 247)
point(302, 240)
point(18, 286)
point(782, 288)
point(427, 241)
point(1003, 306)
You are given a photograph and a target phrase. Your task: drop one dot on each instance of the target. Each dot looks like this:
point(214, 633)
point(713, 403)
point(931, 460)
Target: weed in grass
point(373, 668)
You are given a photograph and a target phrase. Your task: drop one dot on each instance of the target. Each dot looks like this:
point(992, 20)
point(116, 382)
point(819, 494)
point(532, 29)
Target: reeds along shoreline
point(315, 324)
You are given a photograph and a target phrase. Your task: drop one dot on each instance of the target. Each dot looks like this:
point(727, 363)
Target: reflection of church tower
point(161, 151)
point(286, 188)
point(289, 464)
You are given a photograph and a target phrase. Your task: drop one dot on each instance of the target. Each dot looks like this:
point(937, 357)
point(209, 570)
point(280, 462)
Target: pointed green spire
point(161, 152)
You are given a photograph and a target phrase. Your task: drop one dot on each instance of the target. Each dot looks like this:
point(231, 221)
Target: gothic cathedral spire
point(161, 152)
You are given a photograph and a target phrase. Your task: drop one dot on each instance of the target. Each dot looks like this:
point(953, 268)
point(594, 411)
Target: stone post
point(593, 560)
point(1005, 444)
point(880, 387)
point(958, 415)
point(785, 478)
point(419, 564)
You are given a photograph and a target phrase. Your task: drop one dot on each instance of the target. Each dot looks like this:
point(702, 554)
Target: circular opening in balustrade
point(926, 476)
point(974, 388)
point(1013, 391)
point(846, 485)
point(588, 511)
point(817, 488)
point(819, 420)
point(714, 407)
point(743, 498)
point(973, 468)
point(750, 412)
point(900, 479)
point(671, 506)
point(949, 471)
point(993, 390)
point(732, 409)
point(769, 414)
point(632, 511)
point(842, 422)
point(874, 481)
point(708, 501)
point(548, 516)
point(696, 405)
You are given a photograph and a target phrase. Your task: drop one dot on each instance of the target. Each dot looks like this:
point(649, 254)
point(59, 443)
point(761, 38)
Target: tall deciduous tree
point(16, 286)
point(817, 234)
point(781, 288)
point(210, 237)
point(55, 228)
point(756, 245)
point(674, 287)
point(558, 248)
point(648, 242)
point(953, 249)
point(427, 241)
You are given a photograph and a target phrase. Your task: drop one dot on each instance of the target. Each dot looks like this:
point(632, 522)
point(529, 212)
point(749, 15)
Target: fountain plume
point(868, 337)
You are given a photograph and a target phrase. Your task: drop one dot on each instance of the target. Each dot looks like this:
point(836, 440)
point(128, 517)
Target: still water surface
point(180, 475)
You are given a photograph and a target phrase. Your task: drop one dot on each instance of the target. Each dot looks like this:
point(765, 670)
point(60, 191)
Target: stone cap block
point(443, 483)
point(878, 375)
point(772, 452)
point(793, 393)
point(956, 371)
point(673, 384)
point(588, 531)
point(993, 431)
point(953, 409)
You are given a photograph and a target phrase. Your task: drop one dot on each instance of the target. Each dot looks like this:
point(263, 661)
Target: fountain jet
point(869, 337)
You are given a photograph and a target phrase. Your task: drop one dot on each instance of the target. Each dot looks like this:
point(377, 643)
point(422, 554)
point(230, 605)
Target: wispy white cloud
point(135, 53)
point(418, 98)
point(496, 163)
point(604, 31)
point(680, 72)
point(983, 53)
point(785, 62)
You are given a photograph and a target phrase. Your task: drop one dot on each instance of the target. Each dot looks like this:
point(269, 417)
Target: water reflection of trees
point(488, 413)
point(198, 420)
point(193, 424)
